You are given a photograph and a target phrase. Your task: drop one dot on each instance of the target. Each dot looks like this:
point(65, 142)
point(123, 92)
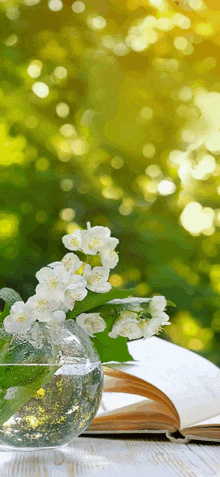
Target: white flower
point(109, 258)
point(77, 280)
point(162, 316)
point(73, 241)
point(54, 264)
point(153, 326)
point(94, 239)
point(20, 319)
point(157, 303)
point(97, 279)
point(128, 315)
point(91, 323)
point(127, 326)
point(71, 262)
point(63, 307)
point(42, 307)
point(73, 293)
point(52, 282)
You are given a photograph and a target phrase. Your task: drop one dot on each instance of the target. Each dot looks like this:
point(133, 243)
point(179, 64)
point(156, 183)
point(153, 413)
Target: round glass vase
point(51, 383)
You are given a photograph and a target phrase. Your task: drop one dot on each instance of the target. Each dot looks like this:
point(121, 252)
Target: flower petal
point(127, 327)
point(91, 323)
point(158, 303)
point(72, 294)
point(72, 241)
point(59, 316)
point(109, 258)
point(43, 274)
point(71, 262)
point(54, 264)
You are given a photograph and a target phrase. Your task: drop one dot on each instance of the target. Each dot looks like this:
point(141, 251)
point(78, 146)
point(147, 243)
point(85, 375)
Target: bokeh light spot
point(117, 162)
point(142, 289)
point(79, 147)
point(67, 214)
point(153, 171)
point(34, 69)
point(166, 187)
point(96, 22)
point(66, 185)
point(40, 89)
point(62, 110)
point(180, 43)
point(42, 164)
point(31, 122)
point(8, 226)
point(213, 143)
point(67, 130)
point(78, 7)
point(60, 72)
point(185, 93)
point(146, 113)
point(55, 5)
point(116, 280)
point(11, 40)
point(204, 29)
point(148, 150)
point(195, 219)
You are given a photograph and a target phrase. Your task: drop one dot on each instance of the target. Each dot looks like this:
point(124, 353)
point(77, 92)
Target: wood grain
point(153, 456)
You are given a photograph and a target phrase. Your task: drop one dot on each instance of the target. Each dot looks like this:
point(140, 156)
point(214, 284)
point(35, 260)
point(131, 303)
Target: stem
point(12, 340)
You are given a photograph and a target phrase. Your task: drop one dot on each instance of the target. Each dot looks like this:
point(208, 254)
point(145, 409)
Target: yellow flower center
point(112, 254)
point(74, 242)
point(22, 317)
point(94, 242)
point(53, 282)
point(96, 277)
point(77, 296)
point(67, 262)
point(92, 323)
point(127, 329)
point(42, 305)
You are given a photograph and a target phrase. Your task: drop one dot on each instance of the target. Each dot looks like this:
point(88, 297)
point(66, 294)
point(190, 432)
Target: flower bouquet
point(52, 347)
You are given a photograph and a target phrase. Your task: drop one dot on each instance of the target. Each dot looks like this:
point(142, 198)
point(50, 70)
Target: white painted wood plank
point(114, 457)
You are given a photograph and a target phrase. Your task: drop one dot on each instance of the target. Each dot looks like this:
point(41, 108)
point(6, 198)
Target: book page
point(212, 421)
point(111, 401)
point(190, 381)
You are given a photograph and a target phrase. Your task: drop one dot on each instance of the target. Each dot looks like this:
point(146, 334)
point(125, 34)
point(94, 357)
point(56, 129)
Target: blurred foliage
point(110, 113)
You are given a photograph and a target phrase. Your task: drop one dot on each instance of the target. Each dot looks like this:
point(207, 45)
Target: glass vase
point(51, 383)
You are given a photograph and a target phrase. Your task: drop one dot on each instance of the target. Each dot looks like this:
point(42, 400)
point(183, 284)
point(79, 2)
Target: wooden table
point(153, 456)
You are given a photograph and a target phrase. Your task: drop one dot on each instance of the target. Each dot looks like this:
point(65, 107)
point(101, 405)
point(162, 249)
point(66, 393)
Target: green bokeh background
point(118, 82)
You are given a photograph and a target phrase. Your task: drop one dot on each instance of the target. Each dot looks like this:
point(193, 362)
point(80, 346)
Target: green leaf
point(8, 407)
point(20, 375)
point(9, 296)
point(5, 312)
point(93, 300)
point(170, 303)
point(111, 349)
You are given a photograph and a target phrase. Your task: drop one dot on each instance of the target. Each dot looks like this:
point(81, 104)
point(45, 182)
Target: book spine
point(177, 437)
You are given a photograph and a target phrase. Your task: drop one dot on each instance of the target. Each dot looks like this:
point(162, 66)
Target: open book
point(169, 389)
